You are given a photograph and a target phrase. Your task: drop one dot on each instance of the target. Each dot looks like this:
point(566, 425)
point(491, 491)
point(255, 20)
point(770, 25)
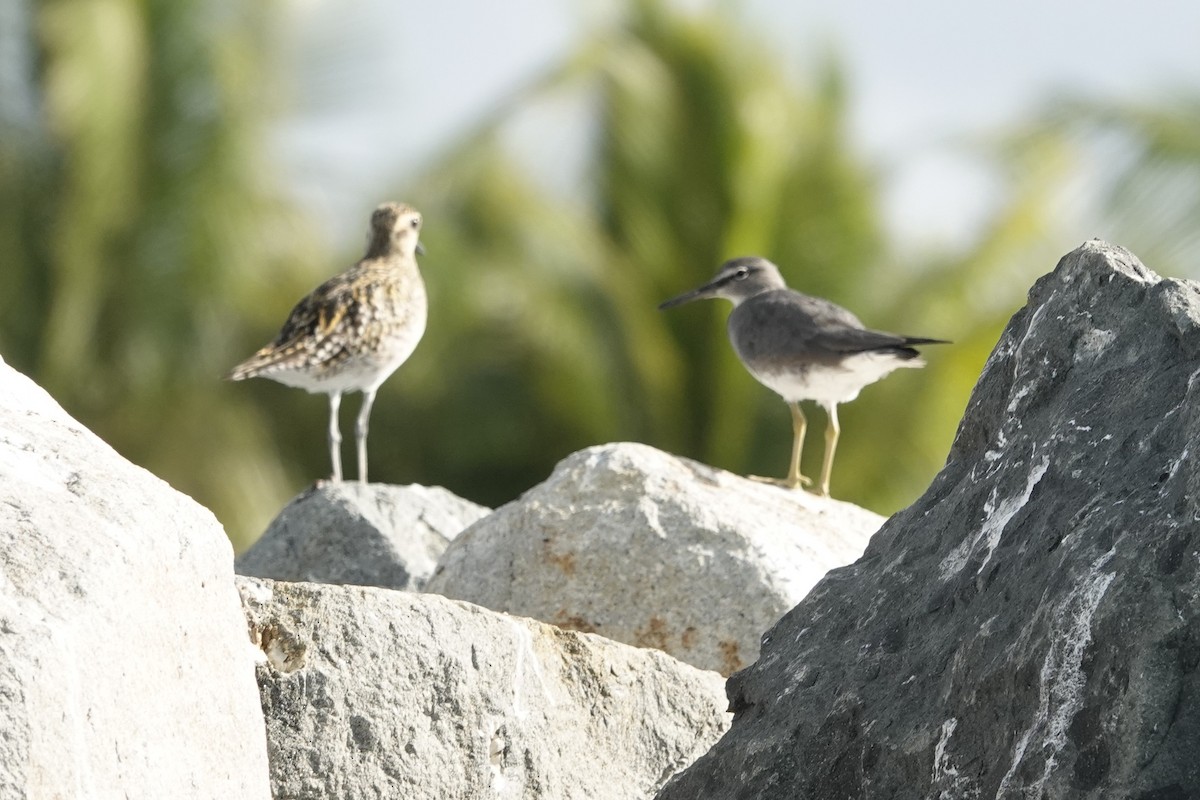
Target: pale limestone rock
point(372, 535)
point(376, 693)
point(656, 551)
point(125, 667)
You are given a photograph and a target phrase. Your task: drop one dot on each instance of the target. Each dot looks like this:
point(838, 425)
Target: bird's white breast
point(830, 385)
point(370, 366)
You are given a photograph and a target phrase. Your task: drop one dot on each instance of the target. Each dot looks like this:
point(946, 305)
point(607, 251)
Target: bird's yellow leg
point(799, 428)
point(832, 431)
point(794, 479)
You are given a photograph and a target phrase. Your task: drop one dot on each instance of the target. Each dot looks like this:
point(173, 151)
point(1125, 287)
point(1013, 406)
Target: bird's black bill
point(703, 293)
point(420, 249)
point(678, 301)
point(911, 340)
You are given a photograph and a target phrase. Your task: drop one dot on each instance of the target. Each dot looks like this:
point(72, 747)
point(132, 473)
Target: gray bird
point(353, 331)
point(802, 348)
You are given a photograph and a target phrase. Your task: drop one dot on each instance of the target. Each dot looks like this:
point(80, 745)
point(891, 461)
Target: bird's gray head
point(395, 231)
point(738, 279)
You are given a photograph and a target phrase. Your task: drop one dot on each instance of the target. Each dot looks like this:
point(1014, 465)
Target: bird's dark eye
point(415, 222)
point(741, 273)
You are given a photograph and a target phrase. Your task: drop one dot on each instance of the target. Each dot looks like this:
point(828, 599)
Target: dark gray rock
point(1030, 628)
point(368, 535)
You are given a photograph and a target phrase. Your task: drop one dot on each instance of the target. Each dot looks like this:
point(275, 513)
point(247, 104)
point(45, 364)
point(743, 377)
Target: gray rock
point(1029, 628)
point(655, 551)
point(372, 535)
point(125, 670)
point(371, 693)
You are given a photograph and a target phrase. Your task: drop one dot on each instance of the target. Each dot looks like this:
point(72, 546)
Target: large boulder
point(370, 535)
point(374, 693)
point(125, 669)
point(1029, 628)
point(655, 551)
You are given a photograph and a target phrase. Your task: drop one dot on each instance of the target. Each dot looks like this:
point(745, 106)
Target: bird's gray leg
point(335, 436)
point(832, 431)
point(360, 433)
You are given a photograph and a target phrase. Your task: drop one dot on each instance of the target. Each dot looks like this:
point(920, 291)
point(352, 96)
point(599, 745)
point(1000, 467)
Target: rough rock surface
point(1029, 628)
point(372, 693)
point(656, 551)
point(372, 535)
point(125, 670)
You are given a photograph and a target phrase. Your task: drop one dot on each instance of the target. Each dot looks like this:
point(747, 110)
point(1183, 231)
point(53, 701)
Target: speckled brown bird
point(353, 331)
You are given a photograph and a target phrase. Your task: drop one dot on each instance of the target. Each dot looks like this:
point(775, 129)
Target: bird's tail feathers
point(265, 360)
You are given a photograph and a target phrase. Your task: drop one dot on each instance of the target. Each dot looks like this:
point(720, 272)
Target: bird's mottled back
point(349, 330)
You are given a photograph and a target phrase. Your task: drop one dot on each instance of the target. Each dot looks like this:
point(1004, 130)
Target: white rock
point(125, 669)
point(372, 535)
point(656, 551)
point(376, 693)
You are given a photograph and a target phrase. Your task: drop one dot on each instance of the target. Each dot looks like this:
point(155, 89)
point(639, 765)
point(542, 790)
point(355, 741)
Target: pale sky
point(385, 85)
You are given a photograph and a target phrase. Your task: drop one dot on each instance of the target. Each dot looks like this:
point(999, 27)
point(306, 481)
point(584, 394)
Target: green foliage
point(147, 249)
point(702, 150)
point(1147, 196)
point(145, 228)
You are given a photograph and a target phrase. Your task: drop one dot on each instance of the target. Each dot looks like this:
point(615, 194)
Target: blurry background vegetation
point(149, 240)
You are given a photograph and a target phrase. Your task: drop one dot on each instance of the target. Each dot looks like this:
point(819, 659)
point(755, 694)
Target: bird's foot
point(787, 483)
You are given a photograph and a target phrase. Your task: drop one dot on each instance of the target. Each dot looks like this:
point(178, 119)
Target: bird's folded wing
point(862, 340)
point(320, 314)
point(815, 330)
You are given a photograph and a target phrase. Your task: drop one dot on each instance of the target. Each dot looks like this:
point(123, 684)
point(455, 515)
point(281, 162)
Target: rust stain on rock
point(574, 622)
point(654, 634)
point(285, 652)
point(731, 660)
point(564, 561)
point(688, 640)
